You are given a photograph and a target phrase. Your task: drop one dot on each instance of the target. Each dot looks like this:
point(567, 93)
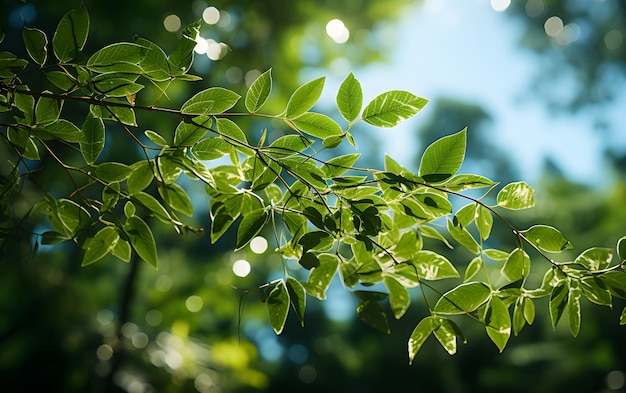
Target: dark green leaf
point(621, 248)
point(117, 87)
point(93, 143)
point(113, 171)
point(498, 323)
point(251, 224)
point(444, 157)
point(372, 314)
point(110, 196)
point(153, 206)
point(52, 237)
point(61, 80)
point(516, 196)
point(188, 133)
point(122, 114)
point(71, 34)
point(140, 177)
point(558, 301)
point(615, 281)
point(304, 98)
point(316, 240)
point(65, 131)
point(36, 43)
point(518, 316)
point(212, 101)
point(595, 290)
point(391, 108)
point(297, 297)
point(547, 238)
point(464, 298)
point(278, 306)
point(350, 98)
point(141, 239)
point(447, 333)
point(23, 142)
point(259, 91)
point(317, 125)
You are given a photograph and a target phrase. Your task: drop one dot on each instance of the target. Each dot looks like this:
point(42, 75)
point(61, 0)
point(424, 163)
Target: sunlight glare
point(258, 245)
point(338, 31)
point(211, 15)
point(201, 45)
point(241, 268)
point(500, 5)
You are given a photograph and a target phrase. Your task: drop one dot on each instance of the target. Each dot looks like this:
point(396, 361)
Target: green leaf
point(473, 268)
point(514, 268)
point(316, 240)
point(153, 206)
point(258, 92)
point(447, 333)
point(36, 43)
point(350, 98)
point(47, 110)
point(547, 238)
point(464, 298)
point(155, 138)
point(71, 34)
point(516, 196)
point(118, 57)
point(621, 248)
point(231, 132)
point(518, 316)
point(103, 242)
point(529, 311)
point(93, 143)
point(615, 281)
point(211, 149)
point(251, 224)
point(432, 266)
point(391, 108)
point(573, 309)
point(595, 290)
point(212, 101)
point(116, 87)
point(23, 142)
point(189, 132)
point(595, 258)
point(337, 166)
point(278, 306)
point(465, 182)
point(498, 323)
point(181, 58)
point(176, 198)
point(52, 237)
point(463, 236)
point(297, 297)
point(120, 114)
point(288, 145)
point(399, 298)
point(122, 250)
point(419, 335)
point(372, 314)
point(110, 196)
point(317, 125)
point(484, 221)
point(558, 302)
point(304, 98)
point(63, 130)
point(142, 239)
point(321, 276)
point(154, 64)
point(112, 171)
point(62, 80)
point(140, 177)
point(443, 158)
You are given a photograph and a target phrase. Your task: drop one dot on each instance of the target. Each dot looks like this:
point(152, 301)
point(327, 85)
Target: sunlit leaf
point(447, 333)
point(473, 268)
point(595, 258)
point(304, 98)
point(596, 291)
point(573, 310)
point(419, 335)
point(118, 57)
point(466, 181)
point(621, 248)
point(212, 101)
point(514, 267)
point(189, 132)
point(399, 298)
point(103, 242)
point(518, 316)
point(622, 317)
point(321, 276)
point(443, 158)
point(36, 43)
point(152, 205)
point(433, 266)
point(181, 58)
point(259, 91)
point(317, 125)
point(113, 171)
point(547, 238)
point(211, 148)
point(558, 302)
point(176, 197)
point(516, 196)
point(464, 298)
point(350, 98)
point(615, 281)
point(498, 322)
point(336, 166)
point(154, 63)
point(464, 237)
point(140, 177)
point(391, 108)
point(71, 34)
point(529, 311)
point(484, 221)
point(278, 306)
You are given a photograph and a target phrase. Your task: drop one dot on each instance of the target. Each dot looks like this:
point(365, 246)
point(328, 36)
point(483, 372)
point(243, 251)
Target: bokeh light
point(194, 303)
point(338, 31)
point(172, 23)
point(553, 26)
point(500, 5)
point(211, 15)
point(613, 39)
point(258, 245)
point(241, 268)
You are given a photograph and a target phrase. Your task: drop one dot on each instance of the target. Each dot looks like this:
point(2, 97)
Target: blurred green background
point(184, 328)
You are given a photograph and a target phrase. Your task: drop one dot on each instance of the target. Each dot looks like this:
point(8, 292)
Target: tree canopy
point(82, 172)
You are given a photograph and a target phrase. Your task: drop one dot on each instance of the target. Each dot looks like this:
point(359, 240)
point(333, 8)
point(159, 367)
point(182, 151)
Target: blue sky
point(468, 51)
